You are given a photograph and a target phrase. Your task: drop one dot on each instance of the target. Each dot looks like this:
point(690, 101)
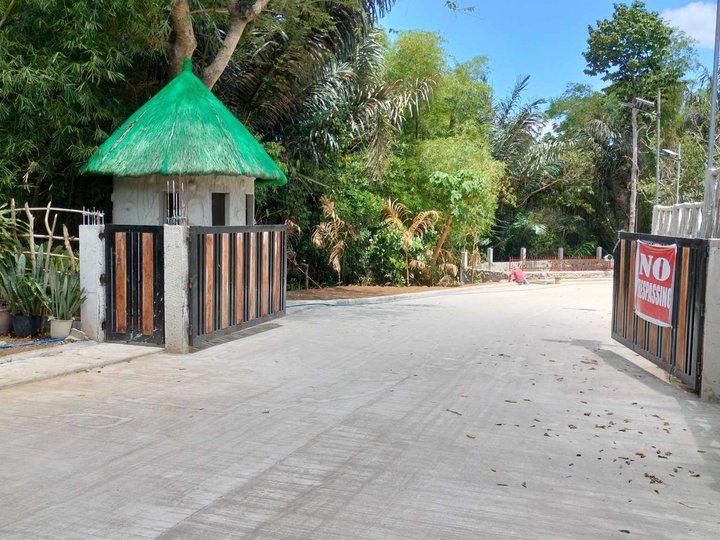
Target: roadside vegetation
point(398, 156)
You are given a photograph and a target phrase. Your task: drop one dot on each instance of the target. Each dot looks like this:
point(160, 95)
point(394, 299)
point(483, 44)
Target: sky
point(541, 38)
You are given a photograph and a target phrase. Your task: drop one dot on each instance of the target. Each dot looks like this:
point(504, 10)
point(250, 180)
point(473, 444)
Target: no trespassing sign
point(654, 279)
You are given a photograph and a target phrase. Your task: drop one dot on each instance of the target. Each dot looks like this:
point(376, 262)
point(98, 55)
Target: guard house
point(183, 260)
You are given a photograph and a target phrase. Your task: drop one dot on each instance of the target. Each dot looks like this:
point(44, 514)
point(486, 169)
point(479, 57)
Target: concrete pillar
point(598, 253)
point(490, 258)
point(523, 254)
point(177, 308)
point(93, 279)
point(561, 253)
point(710, 383)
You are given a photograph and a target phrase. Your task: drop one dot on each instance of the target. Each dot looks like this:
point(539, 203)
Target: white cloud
point(697, 20)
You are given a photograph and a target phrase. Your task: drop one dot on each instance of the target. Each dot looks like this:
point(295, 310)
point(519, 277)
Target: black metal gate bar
point(236, 279)
point(678, 349)
point(134, 270)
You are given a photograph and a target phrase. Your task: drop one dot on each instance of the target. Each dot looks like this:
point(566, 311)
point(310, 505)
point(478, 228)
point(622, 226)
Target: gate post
point(710, 383)
point(92, 279)
point(490, 258)
point(176, 273)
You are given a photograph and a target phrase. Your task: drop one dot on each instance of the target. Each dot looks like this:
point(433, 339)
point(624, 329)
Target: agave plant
point(64, 296)
point(22, 285)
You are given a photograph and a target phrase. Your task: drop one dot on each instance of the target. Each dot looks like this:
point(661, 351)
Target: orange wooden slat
point(276, 274)
point(640, 338)
point(239, 274)
point(225, 269)
point(209, 282)
point(666, 343)
point(252, 278)
point(120, 282)
point(265, 308)
point(631, 293)
point(653, 329)
point(682, 313)
point(620, 309)
point(148, 279)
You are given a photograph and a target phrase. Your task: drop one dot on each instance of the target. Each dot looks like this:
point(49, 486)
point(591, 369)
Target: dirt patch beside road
point(359, 291)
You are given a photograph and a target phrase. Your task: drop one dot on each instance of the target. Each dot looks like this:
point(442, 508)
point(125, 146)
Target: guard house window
point(219, 209)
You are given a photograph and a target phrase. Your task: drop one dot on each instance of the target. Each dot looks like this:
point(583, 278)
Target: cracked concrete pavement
point(502, 412)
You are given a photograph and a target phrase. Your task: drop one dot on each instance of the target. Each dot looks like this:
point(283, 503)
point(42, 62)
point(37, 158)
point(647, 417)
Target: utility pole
point(677, 180)
point(709, 203)
point(657, 149)
point(634, 171)
point(637, 104)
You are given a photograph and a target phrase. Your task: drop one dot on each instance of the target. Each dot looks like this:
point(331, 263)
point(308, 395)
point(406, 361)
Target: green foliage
point(634, 51)
point(385, 258)
point(66, 78)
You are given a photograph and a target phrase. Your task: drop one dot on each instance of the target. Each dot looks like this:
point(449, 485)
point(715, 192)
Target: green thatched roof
point(184, 130)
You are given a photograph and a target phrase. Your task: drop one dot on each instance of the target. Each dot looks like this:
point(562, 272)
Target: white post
point(177, 309)
point(561, 252)
point(710, 383)
point(598, 253)
point(464, 259)
point(490, 258)
point(523, 254)
point(93, 279)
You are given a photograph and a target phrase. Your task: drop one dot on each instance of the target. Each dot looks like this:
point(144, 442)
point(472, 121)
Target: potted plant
point(63, 299)
point(20, 286)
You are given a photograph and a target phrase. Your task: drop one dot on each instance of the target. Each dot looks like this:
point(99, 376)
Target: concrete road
point(505, 412)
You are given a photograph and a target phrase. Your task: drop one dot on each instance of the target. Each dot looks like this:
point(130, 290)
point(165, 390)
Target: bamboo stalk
point(31, 222)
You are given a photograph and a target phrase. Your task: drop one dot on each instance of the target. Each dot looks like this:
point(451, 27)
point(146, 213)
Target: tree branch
point(7, 13)
point(538, 190)
point(239, 19)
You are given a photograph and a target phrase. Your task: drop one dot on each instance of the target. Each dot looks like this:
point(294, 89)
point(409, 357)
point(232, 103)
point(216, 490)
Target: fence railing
point(561, 265)
point(237, 278)
point(680, 220)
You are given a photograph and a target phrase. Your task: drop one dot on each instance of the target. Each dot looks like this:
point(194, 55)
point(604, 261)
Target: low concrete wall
point(92, 279)
point(177, 309)
point(710, 384)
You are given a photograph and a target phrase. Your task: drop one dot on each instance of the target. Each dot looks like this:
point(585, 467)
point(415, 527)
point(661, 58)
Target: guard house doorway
point(219, 209)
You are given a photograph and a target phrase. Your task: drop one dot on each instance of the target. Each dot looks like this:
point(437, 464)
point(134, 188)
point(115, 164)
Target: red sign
point(654, 278)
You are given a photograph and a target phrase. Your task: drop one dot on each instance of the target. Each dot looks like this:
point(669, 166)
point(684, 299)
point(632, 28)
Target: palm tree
point(334, 234)
point(397, 215)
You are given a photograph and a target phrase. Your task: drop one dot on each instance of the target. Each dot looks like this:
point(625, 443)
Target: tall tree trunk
point(443, 235)
point(407, 269)
point(634, 171)
point(185, 43)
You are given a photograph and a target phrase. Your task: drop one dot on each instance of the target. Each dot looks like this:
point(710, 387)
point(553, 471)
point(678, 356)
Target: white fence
point(682, 220)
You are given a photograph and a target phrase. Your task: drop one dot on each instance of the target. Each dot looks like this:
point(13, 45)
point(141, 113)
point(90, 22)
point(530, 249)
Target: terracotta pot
point(5, 321)
point(60, 329)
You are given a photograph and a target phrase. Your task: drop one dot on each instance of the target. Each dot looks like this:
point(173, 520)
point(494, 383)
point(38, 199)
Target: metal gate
point(134, 273)
point(678, 349)
point(237, 278)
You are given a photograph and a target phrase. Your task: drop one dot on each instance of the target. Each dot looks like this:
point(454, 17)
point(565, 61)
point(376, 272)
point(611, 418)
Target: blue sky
point(541, 38)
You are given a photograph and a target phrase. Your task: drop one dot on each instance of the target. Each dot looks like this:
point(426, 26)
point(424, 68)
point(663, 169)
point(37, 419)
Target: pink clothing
point(517, 274)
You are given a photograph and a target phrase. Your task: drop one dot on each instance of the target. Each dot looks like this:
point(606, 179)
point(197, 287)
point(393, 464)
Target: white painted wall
point(710, 385)
point(141, 200)
point(92, 267)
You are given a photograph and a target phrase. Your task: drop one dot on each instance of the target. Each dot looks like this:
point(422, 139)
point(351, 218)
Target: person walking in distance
point(518, 276)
